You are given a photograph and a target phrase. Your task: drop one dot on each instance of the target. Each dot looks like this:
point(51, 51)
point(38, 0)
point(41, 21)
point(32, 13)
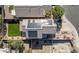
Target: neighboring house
point(9, 16)
point(1, 10)
point(31, 12)
point(34, 23)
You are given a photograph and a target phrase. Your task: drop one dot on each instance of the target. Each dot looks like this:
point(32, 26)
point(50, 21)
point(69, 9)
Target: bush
point(1, 19)
point(16, 45)
point(1, 44)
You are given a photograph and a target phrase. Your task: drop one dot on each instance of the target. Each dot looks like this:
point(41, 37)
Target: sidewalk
point(74, 31)
point(71, 26)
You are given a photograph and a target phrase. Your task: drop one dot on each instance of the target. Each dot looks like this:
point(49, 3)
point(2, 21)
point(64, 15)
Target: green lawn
point(13, 30)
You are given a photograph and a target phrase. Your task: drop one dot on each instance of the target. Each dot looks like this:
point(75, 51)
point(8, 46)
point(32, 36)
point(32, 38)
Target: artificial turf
point(13, 29)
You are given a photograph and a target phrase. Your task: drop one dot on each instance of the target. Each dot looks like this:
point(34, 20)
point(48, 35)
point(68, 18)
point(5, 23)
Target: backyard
point(13, 29)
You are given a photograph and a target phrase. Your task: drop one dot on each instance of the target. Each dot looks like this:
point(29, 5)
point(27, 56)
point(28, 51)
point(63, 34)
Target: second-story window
point(32, 33)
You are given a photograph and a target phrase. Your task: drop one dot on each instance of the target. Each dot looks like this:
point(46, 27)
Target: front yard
point(13, 29)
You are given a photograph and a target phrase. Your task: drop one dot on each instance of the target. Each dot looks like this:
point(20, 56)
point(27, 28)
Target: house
point(39, 28)
point(1, 10)
point(9, 16)
point(35, 26)
point(33, 22)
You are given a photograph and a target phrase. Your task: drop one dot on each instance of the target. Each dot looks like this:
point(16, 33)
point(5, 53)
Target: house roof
point(31, 11)
point(7, 14)
point(37, 24)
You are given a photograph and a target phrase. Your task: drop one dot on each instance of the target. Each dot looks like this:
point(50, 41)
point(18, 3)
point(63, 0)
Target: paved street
point(72, 13)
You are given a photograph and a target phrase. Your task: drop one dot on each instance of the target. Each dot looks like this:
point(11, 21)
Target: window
point(44, 36)
point(32, 33)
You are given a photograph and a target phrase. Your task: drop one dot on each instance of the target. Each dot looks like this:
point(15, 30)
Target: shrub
point(1, 19)
point(16, 45)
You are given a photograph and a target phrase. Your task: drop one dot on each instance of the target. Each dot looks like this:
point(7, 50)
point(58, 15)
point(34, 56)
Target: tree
point(57, 12)
point(48, 14)
point(16, 45)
